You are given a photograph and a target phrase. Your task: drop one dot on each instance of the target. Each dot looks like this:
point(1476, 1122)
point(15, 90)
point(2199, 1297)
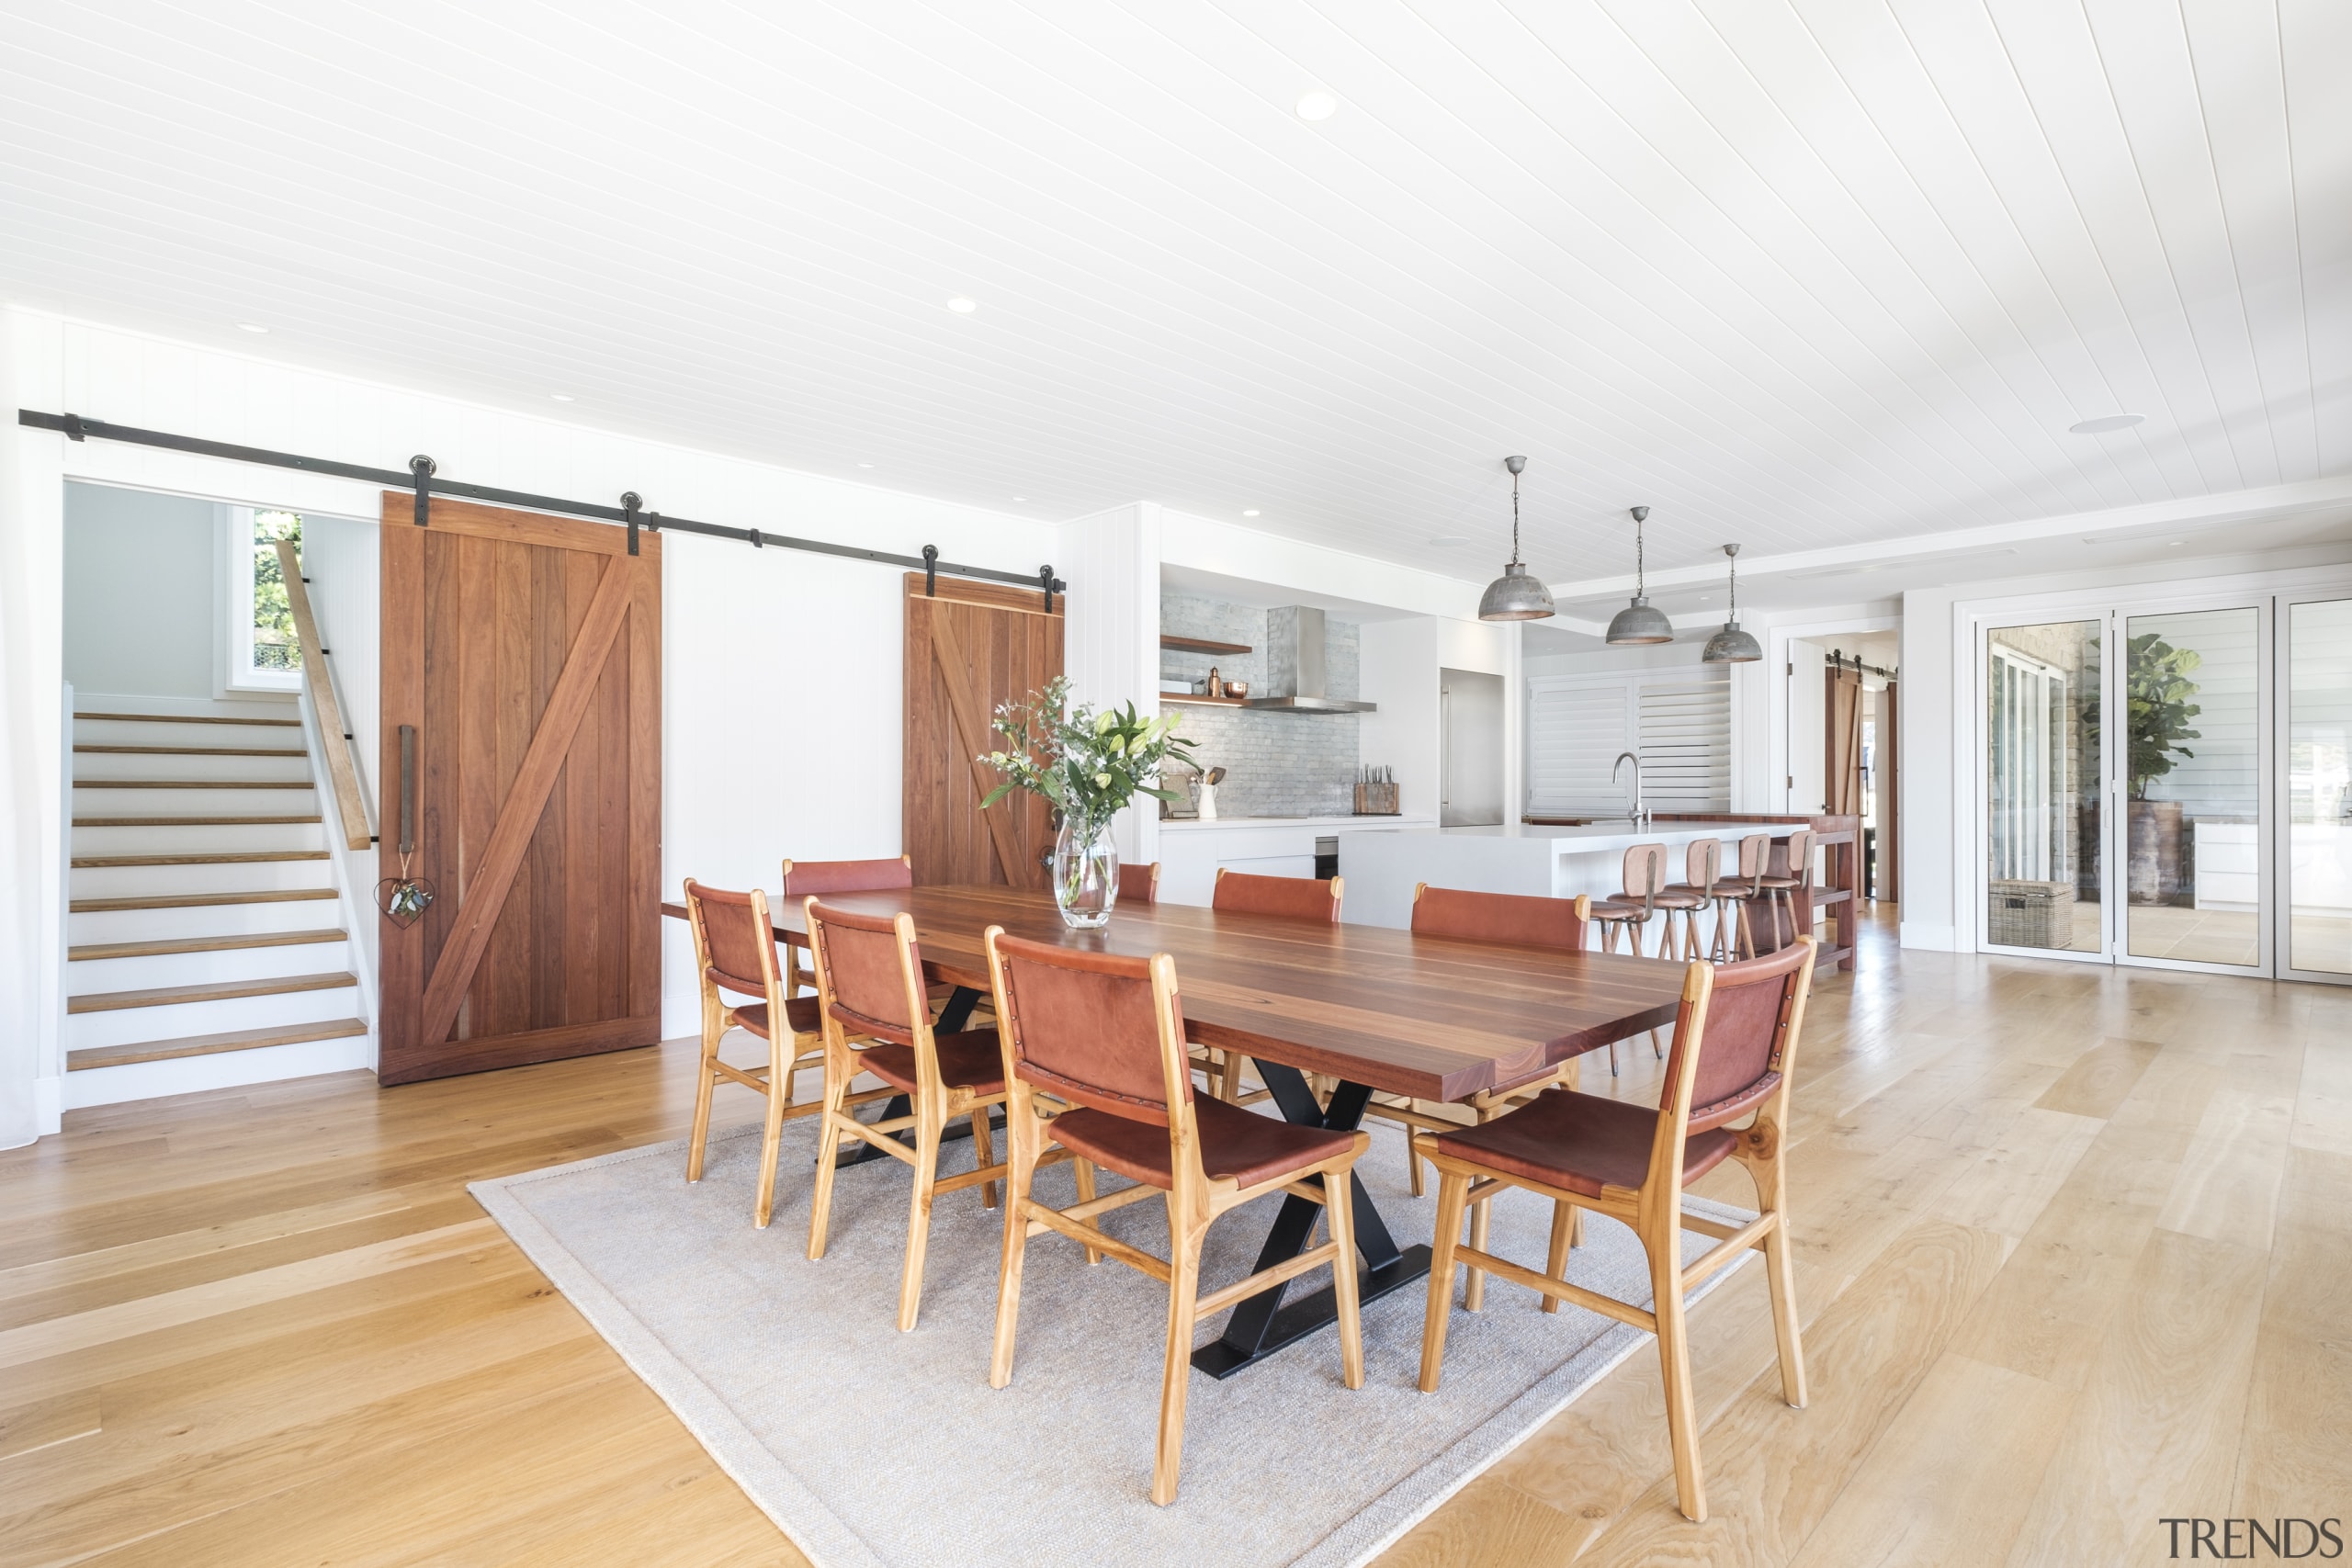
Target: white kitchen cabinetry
point(1190, 853)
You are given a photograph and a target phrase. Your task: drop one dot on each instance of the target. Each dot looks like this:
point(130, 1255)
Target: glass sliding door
point(2192, 846)
point(2319, 787)
point(2044, 772)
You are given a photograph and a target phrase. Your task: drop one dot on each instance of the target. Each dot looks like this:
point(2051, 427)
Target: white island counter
point(1192, 852)
point(1558, 862)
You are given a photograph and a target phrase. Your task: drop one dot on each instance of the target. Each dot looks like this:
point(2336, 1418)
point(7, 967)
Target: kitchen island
point(1192, 852)
point(1562, 861)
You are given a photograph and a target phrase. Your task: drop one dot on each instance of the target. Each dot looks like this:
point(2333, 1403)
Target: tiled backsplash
point(1277, 764)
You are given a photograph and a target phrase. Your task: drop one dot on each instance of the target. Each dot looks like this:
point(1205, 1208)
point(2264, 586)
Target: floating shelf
point(1203, 645)
point(1200, 700)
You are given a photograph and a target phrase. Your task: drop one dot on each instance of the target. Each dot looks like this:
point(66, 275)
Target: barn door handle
point(408, 789)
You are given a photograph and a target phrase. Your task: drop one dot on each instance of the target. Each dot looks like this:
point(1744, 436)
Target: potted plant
point(1088, 764)
point(2157, 689)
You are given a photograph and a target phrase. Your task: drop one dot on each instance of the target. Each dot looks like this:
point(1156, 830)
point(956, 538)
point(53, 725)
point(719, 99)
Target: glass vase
point(1086, 874)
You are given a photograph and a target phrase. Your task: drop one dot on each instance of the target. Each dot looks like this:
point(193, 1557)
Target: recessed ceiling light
point(2174, 544)
point(1317, 104)
point(560, 397)
point(1020, 498)
point(1249, 512)
point(963, 304)
point(252, 327)
point(2106, 423)
point(865, 464)
point(1448, 541)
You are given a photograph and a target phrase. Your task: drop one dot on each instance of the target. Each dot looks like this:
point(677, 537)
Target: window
point(1677, 718)
point(263, 650)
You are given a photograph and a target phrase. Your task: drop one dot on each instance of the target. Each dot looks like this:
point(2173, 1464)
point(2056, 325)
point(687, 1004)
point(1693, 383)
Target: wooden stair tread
point(197, 900)
point(189, 718)
point(91, 950)
point(211, 1044)
point(212, 991)
point(192, 821)
point(220, 857)
point(193, 784)
point(192, 751)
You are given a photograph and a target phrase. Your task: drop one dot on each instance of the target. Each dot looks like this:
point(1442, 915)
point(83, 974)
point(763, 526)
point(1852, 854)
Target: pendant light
point(1515, 596)
point(1731, 645)
point(1640, 621)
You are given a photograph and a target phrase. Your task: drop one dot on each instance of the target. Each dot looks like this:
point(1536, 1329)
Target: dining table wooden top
point(1435, 1018)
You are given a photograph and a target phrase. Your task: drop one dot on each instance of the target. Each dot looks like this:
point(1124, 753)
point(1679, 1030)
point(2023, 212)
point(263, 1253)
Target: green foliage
point(2157, 689)
point(1088, 764)
point(275, 647)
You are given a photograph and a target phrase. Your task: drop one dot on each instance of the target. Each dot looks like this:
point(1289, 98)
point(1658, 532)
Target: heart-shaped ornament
point(404, 900)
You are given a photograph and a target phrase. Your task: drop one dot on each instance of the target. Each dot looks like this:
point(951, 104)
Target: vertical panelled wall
point(781, 679)
point(1110, 632)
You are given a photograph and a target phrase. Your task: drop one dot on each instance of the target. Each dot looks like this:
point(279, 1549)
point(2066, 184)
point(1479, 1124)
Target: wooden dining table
point(1376, 1009)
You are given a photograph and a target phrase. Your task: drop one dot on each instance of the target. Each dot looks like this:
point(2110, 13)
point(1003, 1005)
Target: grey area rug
point(872, 1448)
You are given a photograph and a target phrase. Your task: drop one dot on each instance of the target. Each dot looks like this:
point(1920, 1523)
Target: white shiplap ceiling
point(1807, 273)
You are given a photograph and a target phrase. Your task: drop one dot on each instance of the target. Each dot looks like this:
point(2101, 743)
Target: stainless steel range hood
point(1297, 678)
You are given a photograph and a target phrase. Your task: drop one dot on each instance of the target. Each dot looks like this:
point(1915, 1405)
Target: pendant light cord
point(1514, 520)
point(1641, 563)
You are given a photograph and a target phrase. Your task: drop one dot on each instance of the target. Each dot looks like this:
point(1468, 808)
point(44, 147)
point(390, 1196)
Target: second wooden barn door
point(523, 653)
point(971, 646)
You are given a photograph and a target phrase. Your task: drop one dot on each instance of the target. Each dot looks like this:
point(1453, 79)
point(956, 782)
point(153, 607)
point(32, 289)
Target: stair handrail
point(341, 770)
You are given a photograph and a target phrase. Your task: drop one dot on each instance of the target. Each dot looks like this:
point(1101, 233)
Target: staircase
point(203, 919)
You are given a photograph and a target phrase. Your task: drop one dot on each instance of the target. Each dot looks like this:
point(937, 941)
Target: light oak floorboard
point(2049, 1220)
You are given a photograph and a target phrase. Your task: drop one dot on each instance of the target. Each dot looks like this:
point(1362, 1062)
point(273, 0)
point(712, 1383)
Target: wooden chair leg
point(1084, 1169)
point(1746, 933)
point(1474, 1289)
point(984, 1150)
point(1338, 1208)
point(1184, 1298)
point(771, 1135)
point(1228, 1087)
point(705, 1083)
point(1016, 1247)
point(829, 1146)
point(1412, 1160)
point(1452, 1197)
point(927, 1140)
point(1556, 1262)
point(1780, 1275)
point(1674, 1364)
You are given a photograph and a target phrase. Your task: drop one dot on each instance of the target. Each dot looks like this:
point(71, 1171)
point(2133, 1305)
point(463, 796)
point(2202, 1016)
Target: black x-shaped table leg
point(955, 1017)
point(1260, 1324)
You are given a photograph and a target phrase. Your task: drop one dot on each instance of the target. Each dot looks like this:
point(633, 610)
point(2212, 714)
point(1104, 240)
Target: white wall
point(781, 670)
point(143, 612)
point(1398, 673)
point(1111, 633)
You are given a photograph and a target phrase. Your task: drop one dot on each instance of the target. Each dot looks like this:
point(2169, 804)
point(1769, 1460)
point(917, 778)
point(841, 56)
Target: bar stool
point(1735, 894)
point(1784, 886)
point(1630, 912)
point(1701, 862)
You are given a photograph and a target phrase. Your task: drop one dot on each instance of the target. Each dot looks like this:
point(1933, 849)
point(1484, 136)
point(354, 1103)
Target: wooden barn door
point(524, 650)
point(971, 646)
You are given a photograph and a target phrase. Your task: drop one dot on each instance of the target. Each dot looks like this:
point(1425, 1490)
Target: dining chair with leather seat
point(1139, 884)
point(735, 956)
point(1735, 1056)
point(1103, 1034)
point(1246, 892)
point(886, 874)
point(1500, 919)
point(877, 1020)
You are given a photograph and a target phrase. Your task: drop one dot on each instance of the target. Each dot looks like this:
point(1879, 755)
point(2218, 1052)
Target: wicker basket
point(2031, 914)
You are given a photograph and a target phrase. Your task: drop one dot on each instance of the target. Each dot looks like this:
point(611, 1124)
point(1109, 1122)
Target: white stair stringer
point(207, 930)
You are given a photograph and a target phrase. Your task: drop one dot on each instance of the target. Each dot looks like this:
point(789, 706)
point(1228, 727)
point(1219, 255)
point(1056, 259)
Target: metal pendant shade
point(1515, 595)
point(1731, 645)
point(1639, 622)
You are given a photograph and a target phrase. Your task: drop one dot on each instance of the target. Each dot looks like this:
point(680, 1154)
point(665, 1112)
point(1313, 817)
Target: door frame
point(2324, 591)
point(2268, 592)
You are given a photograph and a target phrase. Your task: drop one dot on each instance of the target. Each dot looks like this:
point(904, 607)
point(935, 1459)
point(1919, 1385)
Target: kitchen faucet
point(1641, 812)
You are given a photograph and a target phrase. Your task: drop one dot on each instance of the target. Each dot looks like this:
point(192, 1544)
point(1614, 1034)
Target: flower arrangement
point(1088, 764)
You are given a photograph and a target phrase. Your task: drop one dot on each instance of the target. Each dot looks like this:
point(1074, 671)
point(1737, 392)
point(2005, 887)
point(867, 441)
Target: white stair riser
point(207, 919)
point(149, 765)
point(239, 838)
point(138, 881)
point(155, 732)
point(301, 802)
point(124, 1026)
point(225, 1069)
point(92, 977)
